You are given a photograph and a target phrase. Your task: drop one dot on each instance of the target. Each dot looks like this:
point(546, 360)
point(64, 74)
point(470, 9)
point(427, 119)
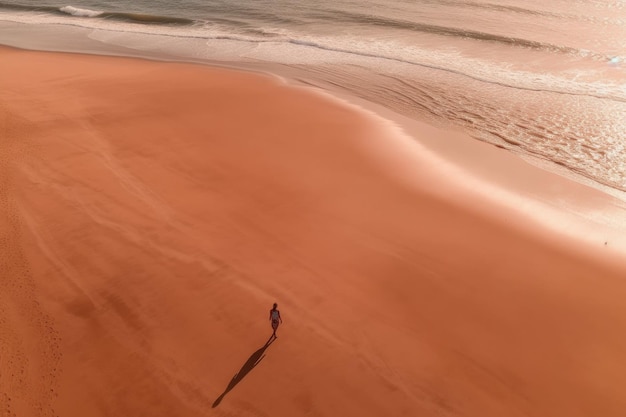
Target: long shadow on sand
point(252, 361)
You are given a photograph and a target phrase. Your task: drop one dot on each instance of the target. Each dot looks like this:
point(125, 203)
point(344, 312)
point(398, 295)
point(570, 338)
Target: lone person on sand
point(275, 319)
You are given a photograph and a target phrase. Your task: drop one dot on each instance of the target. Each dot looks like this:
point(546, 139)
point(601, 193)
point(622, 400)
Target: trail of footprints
point(30, 353)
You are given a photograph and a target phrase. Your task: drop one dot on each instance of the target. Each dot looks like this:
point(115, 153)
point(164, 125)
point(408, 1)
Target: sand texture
point(151, 213)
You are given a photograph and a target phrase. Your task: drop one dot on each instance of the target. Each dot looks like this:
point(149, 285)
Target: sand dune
point(151, 213)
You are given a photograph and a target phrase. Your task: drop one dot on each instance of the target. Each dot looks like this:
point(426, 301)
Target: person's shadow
point(252, 361)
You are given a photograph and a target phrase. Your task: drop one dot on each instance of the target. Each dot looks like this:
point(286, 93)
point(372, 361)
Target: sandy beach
point(151, 213)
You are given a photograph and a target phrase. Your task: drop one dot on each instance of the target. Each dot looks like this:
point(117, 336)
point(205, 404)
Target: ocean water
point(543, 79)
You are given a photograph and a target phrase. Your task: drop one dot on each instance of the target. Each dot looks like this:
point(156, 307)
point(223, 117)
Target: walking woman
point(275, 319)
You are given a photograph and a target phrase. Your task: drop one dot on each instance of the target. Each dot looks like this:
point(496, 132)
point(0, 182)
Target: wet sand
point(151, 213)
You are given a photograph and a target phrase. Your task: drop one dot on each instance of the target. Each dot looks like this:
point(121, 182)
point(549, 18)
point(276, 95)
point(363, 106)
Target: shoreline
point(81, 43)
point(148, 226)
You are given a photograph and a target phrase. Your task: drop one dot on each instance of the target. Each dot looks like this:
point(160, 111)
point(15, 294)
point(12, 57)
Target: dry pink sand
point(151, 213)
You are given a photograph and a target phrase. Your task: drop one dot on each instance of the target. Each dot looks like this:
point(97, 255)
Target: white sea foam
point(75, 11)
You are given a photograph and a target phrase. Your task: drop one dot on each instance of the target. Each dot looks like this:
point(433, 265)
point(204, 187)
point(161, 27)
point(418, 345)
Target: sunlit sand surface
point(151, 213)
